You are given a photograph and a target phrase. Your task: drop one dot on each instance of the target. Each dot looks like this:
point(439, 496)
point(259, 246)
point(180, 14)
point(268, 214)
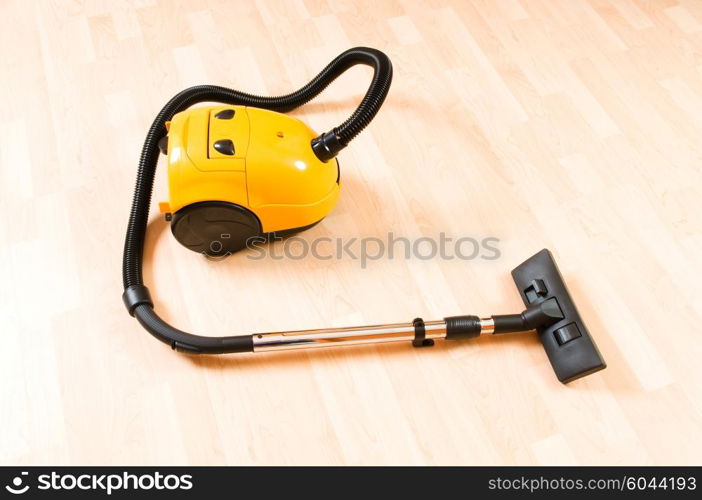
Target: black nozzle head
point(327, 146)
point(567, 341)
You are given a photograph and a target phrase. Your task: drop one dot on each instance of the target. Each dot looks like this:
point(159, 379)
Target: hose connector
point(136, 295)
point(327, 146)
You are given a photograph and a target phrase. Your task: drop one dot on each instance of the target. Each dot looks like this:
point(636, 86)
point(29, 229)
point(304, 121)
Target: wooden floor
point(573, 125)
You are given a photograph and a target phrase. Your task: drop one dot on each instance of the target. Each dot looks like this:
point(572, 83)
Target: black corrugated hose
point(326, 146)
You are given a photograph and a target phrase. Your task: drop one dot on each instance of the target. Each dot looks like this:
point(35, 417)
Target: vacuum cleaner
point(242, 169)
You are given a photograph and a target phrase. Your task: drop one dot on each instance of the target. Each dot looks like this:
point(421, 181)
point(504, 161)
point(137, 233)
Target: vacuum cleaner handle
point(550, 311)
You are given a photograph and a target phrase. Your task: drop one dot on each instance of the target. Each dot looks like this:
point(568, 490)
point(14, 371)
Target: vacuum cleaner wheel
point(214, 228)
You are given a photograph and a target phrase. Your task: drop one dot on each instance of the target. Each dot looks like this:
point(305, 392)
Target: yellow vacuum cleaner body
point(239, 172)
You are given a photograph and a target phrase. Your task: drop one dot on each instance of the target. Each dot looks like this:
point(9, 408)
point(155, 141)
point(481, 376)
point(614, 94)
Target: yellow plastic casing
point(273, 172)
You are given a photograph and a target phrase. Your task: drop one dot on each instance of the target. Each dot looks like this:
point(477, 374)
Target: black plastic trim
point(225, 147)
point(462, 327)
point(208, 216)
point(225, 114)
point(420, 334)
